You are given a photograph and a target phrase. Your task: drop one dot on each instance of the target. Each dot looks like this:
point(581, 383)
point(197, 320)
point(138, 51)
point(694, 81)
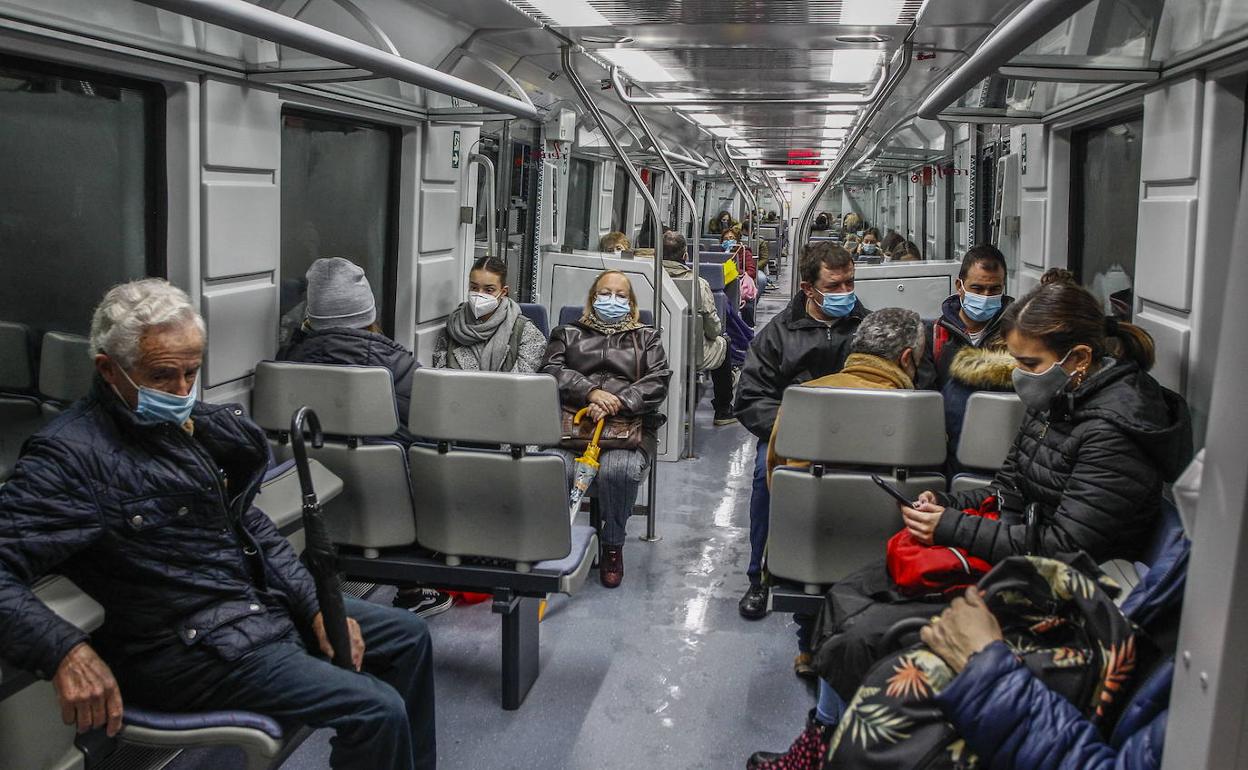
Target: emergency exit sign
point(455, 150)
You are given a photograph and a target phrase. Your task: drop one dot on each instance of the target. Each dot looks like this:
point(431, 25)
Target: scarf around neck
point(489, 340)
point(592, 320)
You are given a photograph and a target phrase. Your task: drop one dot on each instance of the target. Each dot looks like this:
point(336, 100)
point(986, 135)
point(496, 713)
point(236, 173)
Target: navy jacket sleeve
point(284, 564)
point(48, 512)
point(1012, 720)
point(760, 388)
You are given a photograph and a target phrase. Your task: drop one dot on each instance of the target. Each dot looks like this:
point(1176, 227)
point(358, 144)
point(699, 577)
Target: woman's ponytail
point(1128, 342)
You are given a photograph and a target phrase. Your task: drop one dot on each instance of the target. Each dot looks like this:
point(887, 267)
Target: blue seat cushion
point(582, 537)
point(159, 720)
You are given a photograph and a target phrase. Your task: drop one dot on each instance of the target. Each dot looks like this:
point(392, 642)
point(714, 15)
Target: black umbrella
point(320, 554)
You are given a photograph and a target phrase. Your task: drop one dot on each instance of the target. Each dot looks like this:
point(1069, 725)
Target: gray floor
point(661, 672)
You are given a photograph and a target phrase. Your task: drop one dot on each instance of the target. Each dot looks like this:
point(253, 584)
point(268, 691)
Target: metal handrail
point(503, 74)
point(491, 215)
point(569, 69)
point(802, 233)
point(241, 16)
point(1002, 44)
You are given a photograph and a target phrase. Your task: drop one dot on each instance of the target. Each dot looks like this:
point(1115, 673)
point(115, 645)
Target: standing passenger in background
point(341, 329)
point(608, 361)
point(722, 221)
point(488, 333)
point(808, 339)
point(713, 352)
point(614, 241)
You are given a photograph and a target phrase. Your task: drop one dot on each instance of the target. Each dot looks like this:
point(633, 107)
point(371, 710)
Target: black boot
point(806, 753)
point(753, 606)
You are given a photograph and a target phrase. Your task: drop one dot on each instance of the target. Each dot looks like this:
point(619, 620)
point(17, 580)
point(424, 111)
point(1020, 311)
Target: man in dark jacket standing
point(142, 496)
point(808, 339)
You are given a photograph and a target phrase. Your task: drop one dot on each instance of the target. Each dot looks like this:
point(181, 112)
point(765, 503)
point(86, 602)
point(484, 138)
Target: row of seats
point(32, 395)
point(830, 519)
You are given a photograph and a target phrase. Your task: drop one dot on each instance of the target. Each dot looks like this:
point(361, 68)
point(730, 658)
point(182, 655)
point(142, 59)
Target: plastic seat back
point(65, 367)
point(989, 427)
point(712, 270)
point(830, 519)
point(498, 503)
point(538, 315)
point(356, 408)
point(20, 415)
point(17, 373)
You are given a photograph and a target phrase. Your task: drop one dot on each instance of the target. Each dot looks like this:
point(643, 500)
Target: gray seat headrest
point(16, 372)
point(862, 427)
point(486, 407)
point(65, 366)
point(349, 400)
point(989, 426)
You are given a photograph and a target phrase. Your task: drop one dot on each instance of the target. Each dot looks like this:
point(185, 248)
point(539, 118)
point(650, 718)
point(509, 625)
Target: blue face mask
point(837, 305)
point(869, 248)
point(157, 406)
point(980, 307)
point(611, 309)
point(729, 245)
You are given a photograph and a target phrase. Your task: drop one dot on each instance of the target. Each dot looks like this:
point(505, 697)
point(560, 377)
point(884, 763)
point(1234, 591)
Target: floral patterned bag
point(1062, 623)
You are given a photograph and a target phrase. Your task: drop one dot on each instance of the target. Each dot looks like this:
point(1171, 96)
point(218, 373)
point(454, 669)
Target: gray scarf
point(488, 340)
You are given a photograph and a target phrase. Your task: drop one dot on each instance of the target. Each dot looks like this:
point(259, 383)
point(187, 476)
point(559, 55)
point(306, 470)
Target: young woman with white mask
point(487, 332)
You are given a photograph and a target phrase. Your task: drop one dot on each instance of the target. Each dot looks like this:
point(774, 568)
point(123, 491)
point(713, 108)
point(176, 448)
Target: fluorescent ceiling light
point(839, 120)
point(639, 65)
point(870, 13)
point(834, 133)
point(724, 131)
point(690, 108)
point(856, 66)
point(570, 13)
point(680, 95)
point(737, 142)
point(708, 120)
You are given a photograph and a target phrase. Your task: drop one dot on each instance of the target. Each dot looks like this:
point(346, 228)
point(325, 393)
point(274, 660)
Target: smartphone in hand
point(892, 491)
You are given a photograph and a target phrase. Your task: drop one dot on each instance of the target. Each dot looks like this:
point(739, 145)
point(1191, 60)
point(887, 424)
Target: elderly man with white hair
point(142, 495)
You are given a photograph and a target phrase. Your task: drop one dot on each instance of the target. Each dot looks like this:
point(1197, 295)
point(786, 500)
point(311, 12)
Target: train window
point(83, 171)
point(339, 198)
point(619, 200)
point(580, 202)
point(1104, 209)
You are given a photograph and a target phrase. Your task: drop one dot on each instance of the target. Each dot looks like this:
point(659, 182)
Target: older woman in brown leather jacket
point(612, 364)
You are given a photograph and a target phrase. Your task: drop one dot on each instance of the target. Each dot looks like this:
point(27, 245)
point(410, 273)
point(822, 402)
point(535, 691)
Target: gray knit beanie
point(339, 295)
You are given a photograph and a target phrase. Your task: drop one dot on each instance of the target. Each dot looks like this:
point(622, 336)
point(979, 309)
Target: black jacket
point(153, 524)
point(357, 347)
point(949, 334)
point(791, 349)
point(630, 365)
point(1095, 462)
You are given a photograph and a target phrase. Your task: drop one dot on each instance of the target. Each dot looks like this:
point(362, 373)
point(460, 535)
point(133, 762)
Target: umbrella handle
point(304, 415)
point(576, 420)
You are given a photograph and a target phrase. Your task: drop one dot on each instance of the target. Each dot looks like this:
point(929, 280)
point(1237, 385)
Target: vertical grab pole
point(691, 378)
point(491, 224)
point(565, 58)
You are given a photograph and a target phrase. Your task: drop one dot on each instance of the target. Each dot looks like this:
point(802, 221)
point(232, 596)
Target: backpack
point(513, 346)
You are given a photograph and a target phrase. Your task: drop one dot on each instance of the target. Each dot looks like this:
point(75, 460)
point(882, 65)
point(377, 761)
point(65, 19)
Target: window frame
point(390, 257)
point(155, 148)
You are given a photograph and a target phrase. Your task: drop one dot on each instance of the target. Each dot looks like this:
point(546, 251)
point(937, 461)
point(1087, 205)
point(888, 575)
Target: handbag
point(917, 569)
point(618, 432)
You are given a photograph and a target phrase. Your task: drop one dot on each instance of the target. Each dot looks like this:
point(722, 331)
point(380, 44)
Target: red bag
point(919, 569)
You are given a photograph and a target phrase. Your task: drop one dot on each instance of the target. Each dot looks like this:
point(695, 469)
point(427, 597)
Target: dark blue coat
point(1012, 720)
point(154, 524)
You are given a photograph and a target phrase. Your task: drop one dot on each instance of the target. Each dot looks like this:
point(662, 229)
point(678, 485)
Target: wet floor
point(659, 673)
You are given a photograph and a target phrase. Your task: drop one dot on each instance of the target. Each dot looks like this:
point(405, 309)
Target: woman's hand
point(963, 629)
point(597, 413)
point(922, 519)
point(607, 401)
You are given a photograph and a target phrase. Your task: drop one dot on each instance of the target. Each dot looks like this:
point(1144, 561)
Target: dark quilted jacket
point(1010, 719)
point(1095, 462)
point(357, 347)
point(156, 526)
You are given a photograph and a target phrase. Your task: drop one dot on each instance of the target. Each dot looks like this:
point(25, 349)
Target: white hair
point(129, 310)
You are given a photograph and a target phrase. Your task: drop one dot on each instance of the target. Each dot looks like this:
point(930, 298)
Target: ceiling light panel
point(708, 120)
point(639, 65)
point(854, 66)
point(569, 13)
point(873, 13)
point(724, 131)
point(839, 120)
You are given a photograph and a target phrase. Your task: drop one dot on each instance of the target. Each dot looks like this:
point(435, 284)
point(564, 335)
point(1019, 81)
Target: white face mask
point(482, 304)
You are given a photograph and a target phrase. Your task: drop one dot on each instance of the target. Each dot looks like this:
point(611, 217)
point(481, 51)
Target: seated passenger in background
point(890, 242)
point(808, 339)
point(713, 352)
point(142, 495)
point(851, 244)
point(608, 361)
point(760, 276)
point(870, 246)
point(721, 222)
point(614, 241)
point(341, 329)
point(883, 355)
point(967, 347)
point(1099, 440)
point(906, 251)
point(488, 333)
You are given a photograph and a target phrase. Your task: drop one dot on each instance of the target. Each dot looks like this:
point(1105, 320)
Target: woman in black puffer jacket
point(1099, 440)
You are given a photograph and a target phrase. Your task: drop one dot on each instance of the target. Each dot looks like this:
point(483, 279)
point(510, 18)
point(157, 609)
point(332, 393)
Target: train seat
point(281, 498)
point(20, 413)
point(538, 315)
point(988, 429)
point(500, 504)
point(830, 519)
point(356, 408)
point(712, 271)
point(65, 370)
point(570, 313)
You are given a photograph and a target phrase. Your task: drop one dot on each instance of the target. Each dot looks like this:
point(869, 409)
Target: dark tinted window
point(81, 170)
point(619, 199)
point(580, 202)
point(339, 199)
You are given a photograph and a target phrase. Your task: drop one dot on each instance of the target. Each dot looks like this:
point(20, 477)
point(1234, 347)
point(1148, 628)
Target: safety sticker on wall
point(455, 150)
